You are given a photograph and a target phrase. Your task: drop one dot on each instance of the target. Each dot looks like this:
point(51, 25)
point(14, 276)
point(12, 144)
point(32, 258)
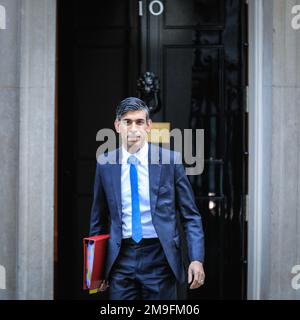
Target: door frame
point(260, 130)
point(258, 236)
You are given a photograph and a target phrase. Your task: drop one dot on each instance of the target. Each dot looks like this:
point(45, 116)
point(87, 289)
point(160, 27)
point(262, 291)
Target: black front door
point(196, 48)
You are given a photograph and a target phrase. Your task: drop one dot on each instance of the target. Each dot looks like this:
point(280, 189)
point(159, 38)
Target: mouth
point(133, 138)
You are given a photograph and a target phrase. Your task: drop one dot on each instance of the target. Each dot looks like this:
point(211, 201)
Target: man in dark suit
point(136, 196)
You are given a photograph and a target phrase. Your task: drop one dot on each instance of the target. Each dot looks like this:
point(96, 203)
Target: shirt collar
point(142, 154)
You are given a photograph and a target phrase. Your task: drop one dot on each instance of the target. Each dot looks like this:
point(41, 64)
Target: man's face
point(133, 128)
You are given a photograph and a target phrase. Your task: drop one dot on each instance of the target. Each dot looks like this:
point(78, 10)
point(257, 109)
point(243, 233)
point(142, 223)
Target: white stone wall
point(9, 147)
point(27, 109)
point(274, 140)
point(285, 166)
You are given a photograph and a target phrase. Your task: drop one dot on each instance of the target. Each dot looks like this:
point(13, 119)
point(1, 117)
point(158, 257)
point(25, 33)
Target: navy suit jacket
point(170, 191)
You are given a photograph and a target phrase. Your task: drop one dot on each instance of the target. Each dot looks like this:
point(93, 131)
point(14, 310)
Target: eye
point(140, 122)
point(126, 122)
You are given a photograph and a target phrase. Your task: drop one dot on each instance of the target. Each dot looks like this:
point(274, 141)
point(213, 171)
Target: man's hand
point(103, 285)
point(196, 271)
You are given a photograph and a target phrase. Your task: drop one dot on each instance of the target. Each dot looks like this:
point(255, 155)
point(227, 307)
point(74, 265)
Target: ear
point(149, 126)
point(117, 125)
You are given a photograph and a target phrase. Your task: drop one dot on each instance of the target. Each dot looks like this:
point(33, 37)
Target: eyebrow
point(133, 119)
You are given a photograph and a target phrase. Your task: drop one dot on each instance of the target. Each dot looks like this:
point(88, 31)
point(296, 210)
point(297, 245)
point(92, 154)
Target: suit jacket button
point(118, 244)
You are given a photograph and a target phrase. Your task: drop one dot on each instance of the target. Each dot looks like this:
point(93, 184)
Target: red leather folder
point(99, 245)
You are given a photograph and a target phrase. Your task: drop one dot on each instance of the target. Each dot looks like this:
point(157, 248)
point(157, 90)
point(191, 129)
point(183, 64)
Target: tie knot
point(133, 160)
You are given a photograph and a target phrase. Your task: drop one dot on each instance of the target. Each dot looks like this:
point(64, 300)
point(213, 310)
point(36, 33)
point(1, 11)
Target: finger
point(197, 276)
point(190, 275)
point(195, 284)
point(102, 287)
point(197, 281)
point(105, 285)
point(202, 279)
point(202, 276)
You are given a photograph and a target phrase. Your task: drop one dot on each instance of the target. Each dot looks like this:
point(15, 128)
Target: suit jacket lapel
point(154, 174)
point(116, 181)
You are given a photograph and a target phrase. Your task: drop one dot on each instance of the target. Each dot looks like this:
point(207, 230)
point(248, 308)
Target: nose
point(133, 126)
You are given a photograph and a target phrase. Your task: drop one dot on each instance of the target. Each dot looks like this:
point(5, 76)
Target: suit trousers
point(142, 272)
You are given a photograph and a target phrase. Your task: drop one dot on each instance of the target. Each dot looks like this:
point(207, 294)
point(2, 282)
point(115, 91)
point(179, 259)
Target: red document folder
point(94, 255)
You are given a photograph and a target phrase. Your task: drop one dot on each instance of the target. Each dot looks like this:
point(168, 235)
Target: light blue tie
point(137, 233)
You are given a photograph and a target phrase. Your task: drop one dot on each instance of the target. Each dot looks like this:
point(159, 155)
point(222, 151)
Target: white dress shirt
point(144, 194)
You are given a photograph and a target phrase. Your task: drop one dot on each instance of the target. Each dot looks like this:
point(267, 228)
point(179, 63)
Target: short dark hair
point(131, 104)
